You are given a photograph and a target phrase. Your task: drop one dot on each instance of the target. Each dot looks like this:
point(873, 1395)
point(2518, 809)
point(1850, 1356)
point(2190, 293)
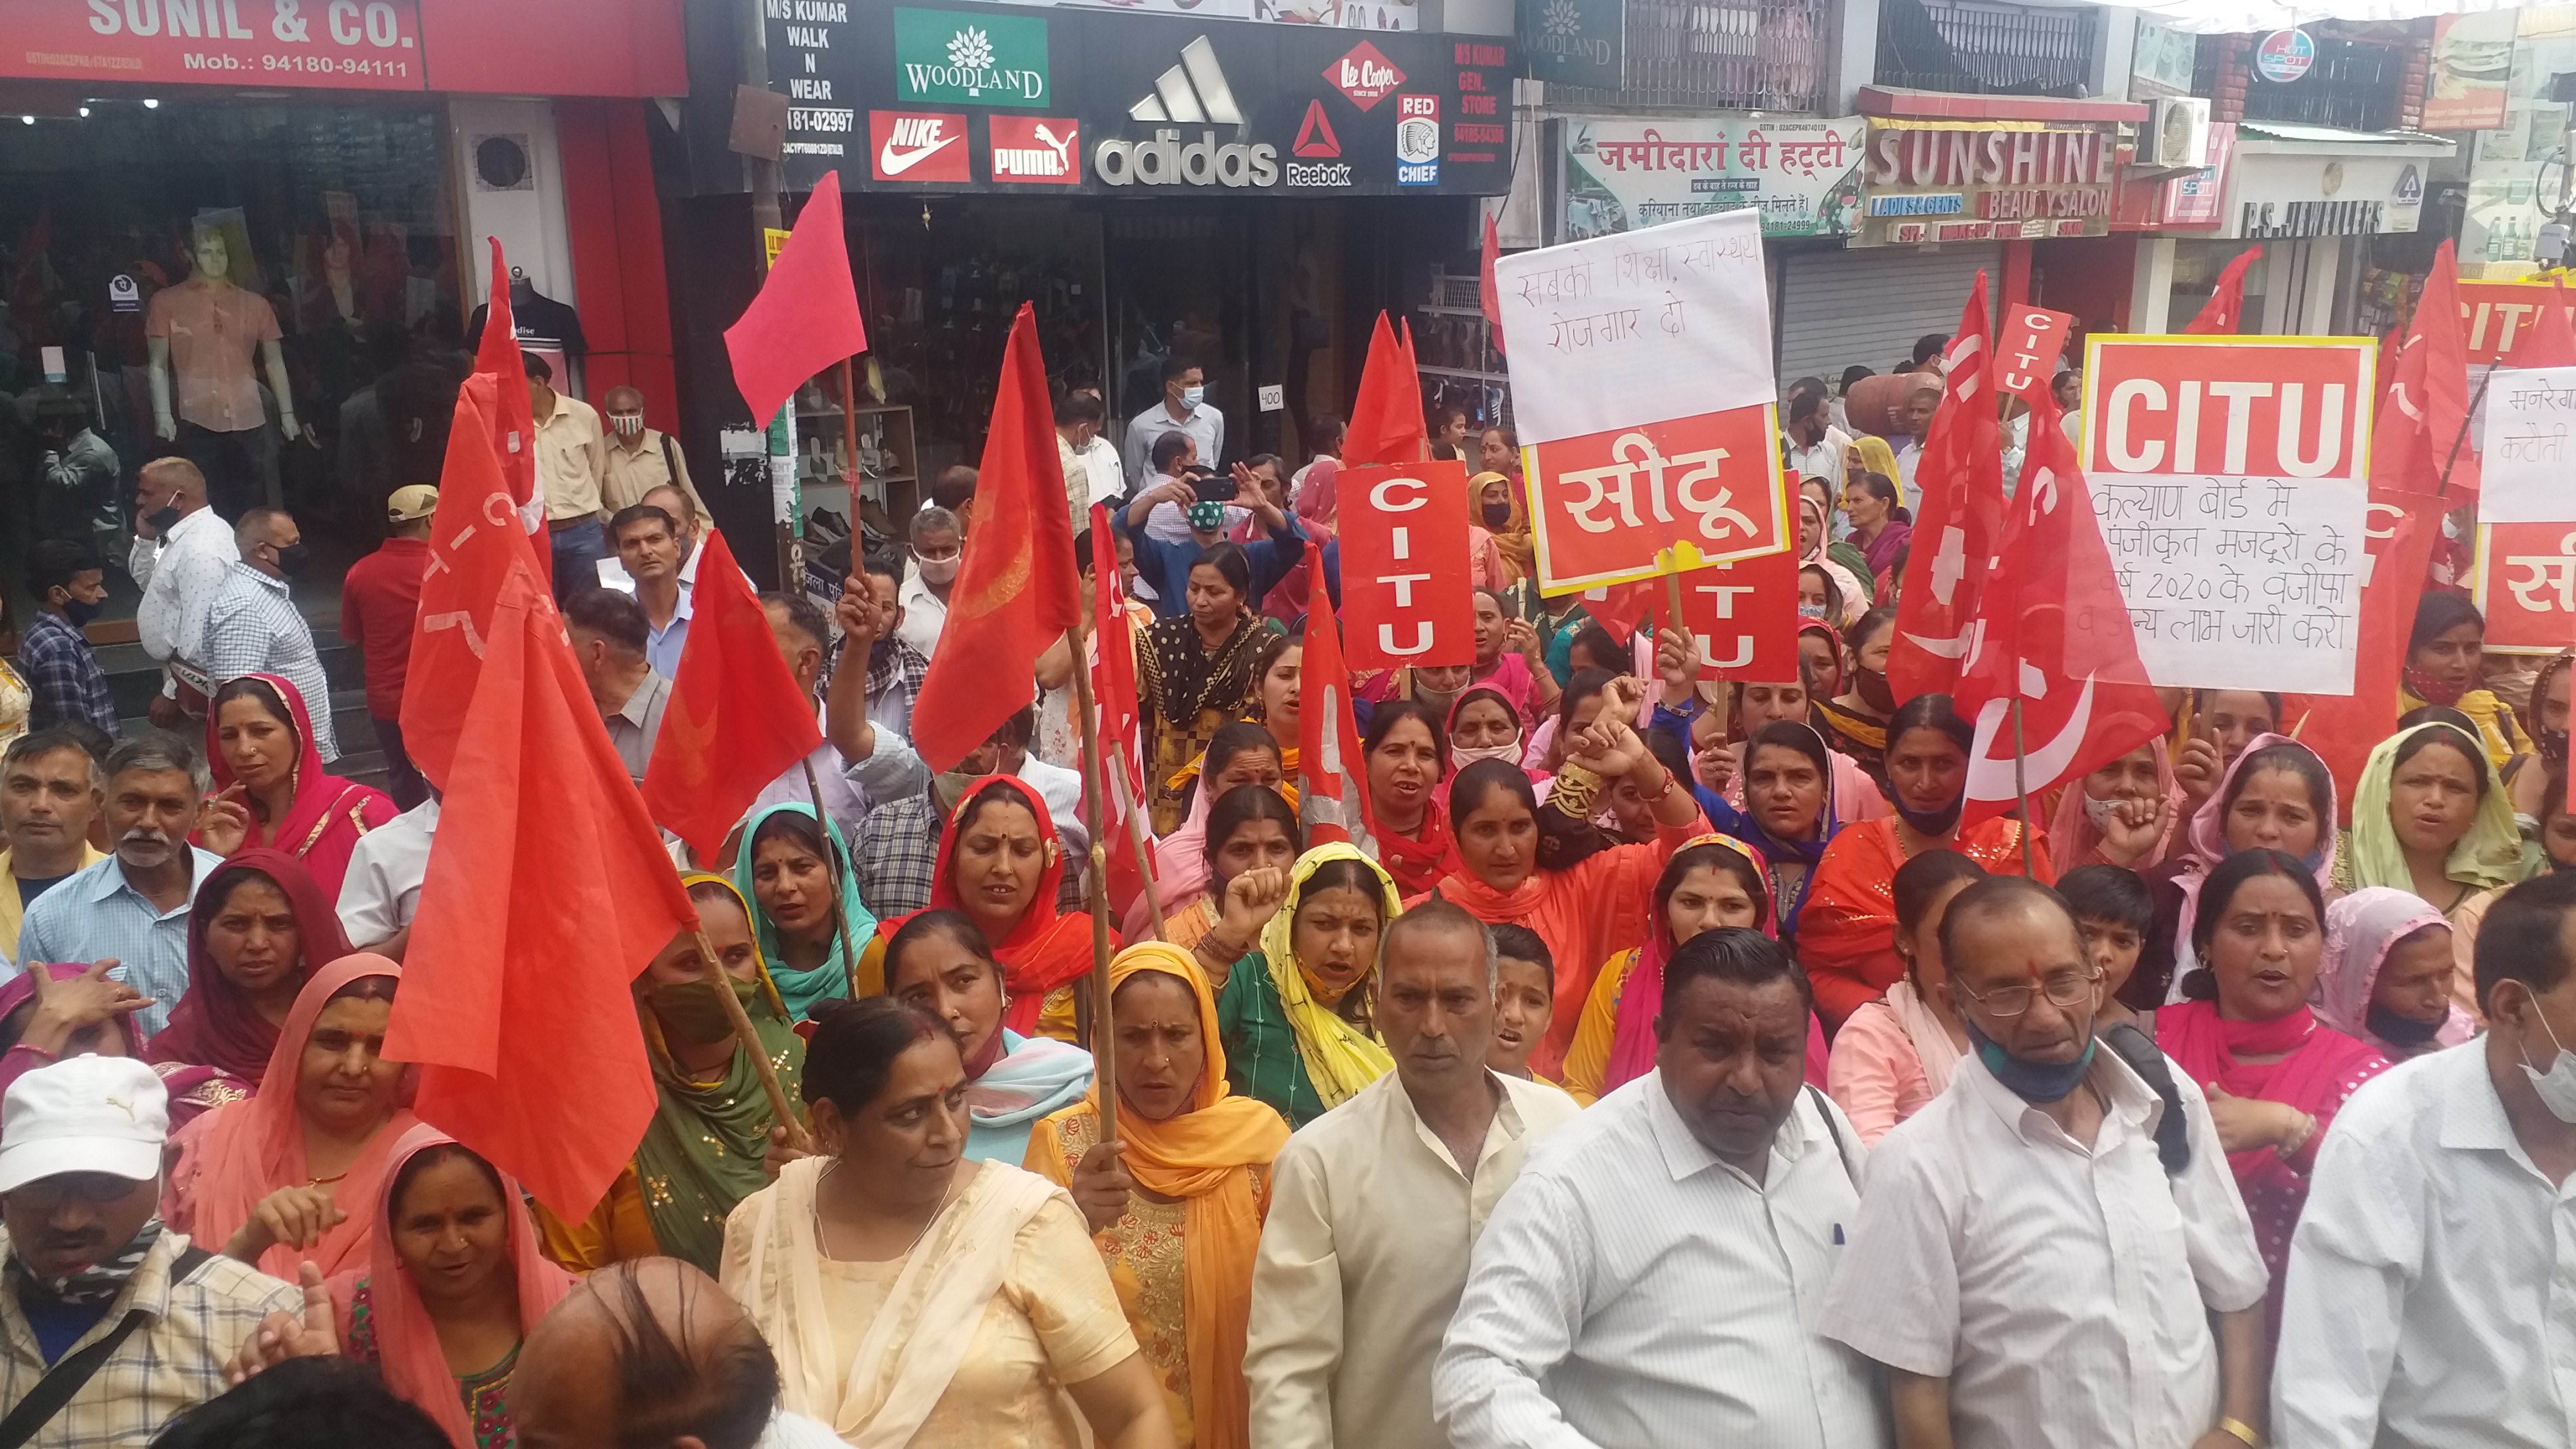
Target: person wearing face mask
point(1184, 409)
point(2122, 814)
point(253, 626)
point(2548, 721)
point(2444, 665)
point(1855, 721)
point(1499, 507)
point(640, 459)
point(1847, 931)
point(64, 681)
point(2031, 1228)
point(938, 550)
point(2425, 1301)
point(182, 549)
point(2386, 979)
point(712, 1122)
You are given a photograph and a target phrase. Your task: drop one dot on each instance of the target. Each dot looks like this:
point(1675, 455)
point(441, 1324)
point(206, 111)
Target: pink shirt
point(1874, 1074)
point(214, 333)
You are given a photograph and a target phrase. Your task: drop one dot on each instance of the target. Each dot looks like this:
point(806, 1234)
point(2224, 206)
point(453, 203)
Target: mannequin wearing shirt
point(202, 366)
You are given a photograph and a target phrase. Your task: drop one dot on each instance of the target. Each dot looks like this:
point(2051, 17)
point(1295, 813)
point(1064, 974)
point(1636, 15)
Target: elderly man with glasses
point(2036, 1263)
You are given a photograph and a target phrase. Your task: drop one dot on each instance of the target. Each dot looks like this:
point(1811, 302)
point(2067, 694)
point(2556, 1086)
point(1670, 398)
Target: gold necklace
point(816, 1209)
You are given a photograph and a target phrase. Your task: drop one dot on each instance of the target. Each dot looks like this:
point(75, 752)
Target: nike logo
point(894, 160)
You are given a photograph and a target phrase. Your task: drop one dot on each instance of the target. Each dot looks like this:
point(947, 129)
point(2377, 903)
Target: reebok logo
point(1315, 138)
point(1035, 148)
point(910, 146)
point(1193, 92)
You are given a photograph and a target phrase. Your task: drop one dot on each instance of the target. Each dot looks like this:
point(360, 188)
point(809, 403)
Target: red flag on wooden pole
point(1122, 753)
point(547, 891)
point(806, 317)
point(1332, 783)
point(736, 720)
point(1386, 419)
point(1959, 519)
point(2226, 304)
point(1016, 589)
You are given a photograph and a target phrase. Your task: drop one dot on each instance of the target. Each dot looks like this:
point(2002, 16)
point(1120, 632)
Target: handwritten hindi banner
point(1641, 327)
point(2230, 477)
point(2526, 584)
point(1801, 177)
point(1606, 507)
point(1407, 594)
point(2530, 416)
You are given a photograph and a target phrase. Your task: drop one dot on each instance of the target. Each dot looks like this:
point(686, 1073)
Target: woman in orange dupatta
point(1847, 929)
point(261, 1176)
point(1000, 862)
point(1195, 1168)
point(1587, 901)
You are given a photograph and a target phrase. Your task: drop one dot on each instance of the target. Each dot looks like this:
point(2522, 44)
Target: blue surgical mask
point(2030, 1081)
point(1192, 396)
point(1811, 611)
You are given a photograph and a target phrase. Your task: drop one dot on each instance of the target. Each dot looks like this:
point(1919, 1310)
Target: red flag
point(2550, 341)
point(1123, 826)
point(2418, 442)
point(547, 891)
point(1016, 590)
point(2399, 530)
point(1332, 786)
point(1623, 608)
point(1958, 520)
point(736, 720)
point(1489, 297)
point(2053, 631)
point(512, 428)
point(1386, 420)
point(806, 317)
point(475, 541)
point(2226, 304)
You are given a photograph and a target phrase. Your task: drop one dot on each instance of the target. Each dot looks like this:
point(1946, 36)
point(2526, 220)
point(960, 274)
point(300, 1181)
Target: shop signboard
point(2368, 191)
point(2231, 476)
point(1801, 177)
point(1927, 182)
point(2472, 62)
point(1343, 14)
point(2284, 55)
point(1135, 104)
point(1576, 42)
point(2162, 62)
point(334, 44)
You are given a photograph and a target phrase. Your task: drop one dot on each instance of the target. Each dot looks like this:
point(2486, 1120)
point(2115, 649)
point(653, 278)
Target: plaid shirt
point(898, 853)
point(62, 671)
point(173, 1362)
point(895, 673)
point(252, 627)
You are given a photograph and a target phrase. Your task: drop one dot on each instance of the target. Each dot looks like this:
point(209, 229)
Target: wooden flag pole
point(1725, 701)
point(750, 1042)
point(840, 869)
point(2021, 788)
point(1103, 1034)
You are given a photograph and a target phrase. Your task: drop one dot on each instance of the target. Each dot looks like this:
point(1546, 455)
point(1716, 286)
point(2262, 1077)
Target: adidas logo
point(1194, 92)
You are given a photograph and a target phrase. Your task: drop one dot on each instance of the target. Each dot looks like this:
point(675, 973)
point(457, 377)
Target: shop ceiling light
point(30, 120)
point(84, 113)
point(150, 104)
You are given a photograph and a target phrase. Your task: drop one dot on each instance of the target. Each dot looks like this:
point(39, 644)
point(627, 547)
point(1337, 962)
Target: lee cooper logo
point(1365, 75)
point(910, 146)
point(1036, 148)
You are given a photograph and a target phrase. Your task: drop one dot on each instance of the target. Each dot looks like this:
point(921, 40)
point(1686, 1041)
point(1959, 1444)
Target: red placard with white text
point(1744, 616)
point(2526, 584)
point(2493, 317)
point(2026, 350)
point(1605, 507)
point(1407, 592)
point(340, 45)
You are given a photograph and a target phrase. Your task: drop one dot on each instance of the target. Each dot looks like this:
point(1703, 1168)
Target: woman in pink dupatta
point(260, 743)
point(93, 1017)
point(1895, 1054)
point(2275, 1075)
point(2388, 972)
point(448, 1240)
point(2276, 796)
point(255, 1177)
point(2142, 781)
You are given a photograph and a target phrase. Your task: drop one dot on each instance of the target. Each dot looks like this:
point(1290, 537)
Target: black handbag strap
point(2173, 1129)
point(67, 1377)
point(1842, 1149)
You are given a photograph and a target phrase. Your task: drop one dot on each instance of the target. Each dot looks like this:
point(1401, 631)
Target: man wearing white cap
point(379, 601)
point(109, 1323)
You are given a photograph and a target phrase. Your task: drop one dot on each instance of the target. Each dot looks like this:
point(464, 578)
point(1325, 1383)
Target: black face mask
point(294, 559)
point(163, 518)
point(2403, 1032)
point(1498, 516)
point(82, 611)
point(1872, 687)
point(1930, 822)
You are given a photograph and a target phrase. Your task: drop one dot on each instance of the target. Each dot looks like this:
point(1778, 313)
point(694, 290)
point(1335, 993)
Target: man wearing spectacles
point(2028, 1266)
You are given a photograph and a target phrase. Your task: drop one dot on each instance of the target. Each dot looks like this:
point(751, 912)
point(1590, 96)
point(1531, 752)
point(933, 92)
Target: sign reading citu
point(987, 60)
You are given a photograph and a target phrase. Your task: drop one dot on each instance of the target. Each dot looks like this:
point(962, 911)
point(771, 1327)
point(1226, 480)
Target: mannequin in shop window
point(207, 330)
point(539, 321)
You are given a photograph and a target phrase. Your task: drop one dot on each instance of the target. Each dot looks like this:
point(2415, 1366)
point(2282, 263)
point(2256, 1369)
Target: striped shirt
point(252, 627)
point(173, 1362)
point(96, 914)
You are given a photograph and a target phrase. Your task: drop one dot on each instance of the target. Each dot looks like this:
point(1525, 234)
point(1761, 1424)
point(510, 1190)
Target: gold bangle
point(2239, 1429)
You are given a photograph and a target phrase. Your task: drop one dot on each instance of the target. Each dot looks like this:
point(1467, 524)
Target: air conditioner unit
point(2177, 133)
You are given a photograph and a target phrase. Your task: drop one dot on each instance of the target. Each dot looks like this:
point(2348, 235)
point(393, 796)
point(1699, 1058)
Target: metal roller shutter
point(1868, 305)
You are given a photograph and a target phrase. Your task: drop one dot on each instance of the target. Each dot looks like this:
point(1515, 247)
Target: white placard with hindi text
point(1639, 327)
point(2239, 582)
point(2529, 442)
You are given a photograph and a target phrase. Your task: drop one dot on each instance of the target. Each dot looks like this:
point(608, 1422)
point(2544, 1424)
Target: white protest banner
point(2231, 478)
point(2530, 415)
point(1644, 393)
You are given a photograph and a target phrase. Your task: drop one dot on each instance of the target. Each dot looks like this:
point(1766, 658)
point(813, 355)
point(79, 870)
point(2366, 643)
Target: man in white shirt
point(380, 892)
point(1920, 404)
point(1375, 1205)
point(938, 547)
point(1184, 409)
point(2031, 1267)
point(1653, 1277)
point(1091, 471)
point(1816, 446)
point(181, 549)
point(2428, 1301)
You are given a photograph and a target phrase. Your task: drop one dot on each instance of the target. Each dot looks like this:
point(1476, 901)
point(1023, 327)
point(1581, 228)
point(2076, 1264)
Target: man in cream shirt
point(1375, 1205)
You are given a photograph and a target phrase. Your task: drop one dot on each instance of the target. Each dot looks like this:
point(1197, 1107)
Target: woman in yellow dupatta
point(1294, 1013)
point(1177, 1210)
point(2445, 664)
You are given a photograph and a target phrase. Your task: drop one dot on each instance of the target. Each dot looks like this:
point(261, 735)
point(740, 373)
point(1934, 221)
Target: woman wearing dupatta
point(261, 1175)
point(1588, 908)
point(2431, 816)
point(1847, 931)
point(1497, 505)
point(257, 928)
point(259, 740)
point(1854, 722)
point(2122, 814)
point(1795, 796)
point(92, 1015)
point(1242, 753)
point(701, 1154)
point(2276, 795)
point(2274, 1075)
point(1895, 1054)
point(939, 963)
point(1001, 864)
point(1292, 1016)
point(394, 1313)
point(1406, 754)
point(2386, 980)
point(2445, 656)
point(915, 1299)
point(795, 876)
point(1177, 1213)
point(1194, 673)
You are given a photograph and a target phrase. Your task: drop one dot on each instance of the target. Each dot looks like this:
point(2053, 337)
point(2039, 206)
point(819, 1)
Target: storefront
point(313, 181)
point(1247, 195)
point(2331, 209)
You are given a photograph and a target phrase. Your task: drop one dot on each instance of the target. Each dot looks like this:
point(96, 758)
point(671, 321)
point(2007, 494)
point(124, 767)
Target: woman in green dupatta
point(711, 1122)
point(793, 873)
point(2432, 817)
